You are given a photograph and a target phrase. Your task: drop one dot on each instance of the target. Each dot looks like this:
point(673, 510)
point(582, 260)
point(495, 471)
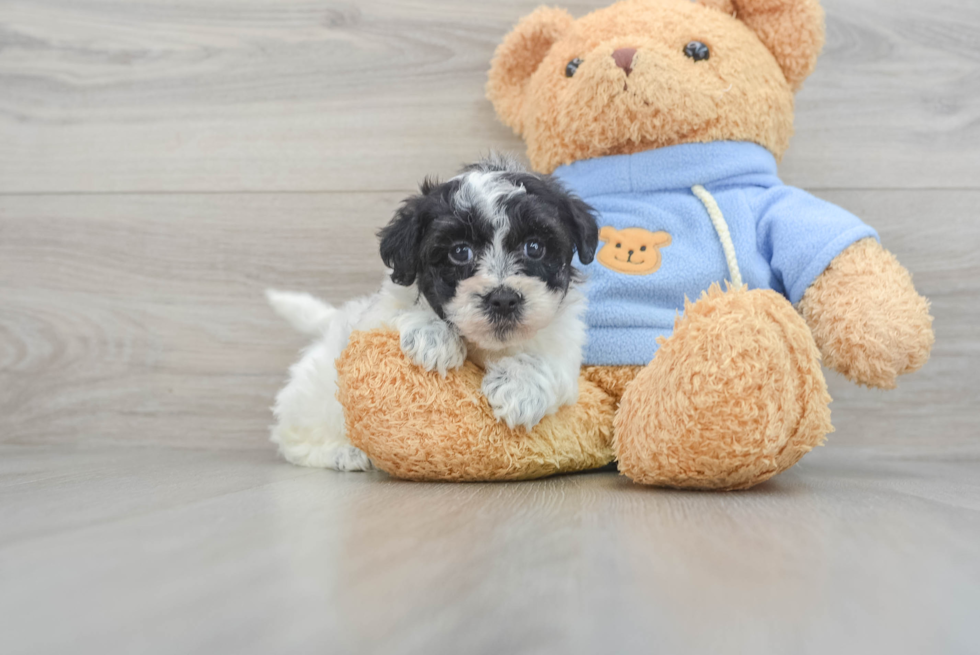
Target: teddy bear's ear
point(793, 30)
point(519, 56)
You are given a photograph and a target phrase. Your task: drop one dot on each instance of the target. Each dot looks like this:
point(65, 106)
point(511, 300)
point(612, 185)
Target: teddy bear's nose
point(624, 58)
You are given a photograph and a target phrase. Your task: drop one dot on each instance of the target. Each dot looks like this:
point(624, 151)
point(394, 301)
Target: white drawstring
point(721, 227)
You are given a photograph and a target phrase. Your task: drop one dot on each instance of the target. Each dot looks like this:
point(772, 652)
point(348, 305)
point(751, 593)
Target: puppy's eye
point(460, 254)
point(534, 249)
point(697, 51)
point(572, 67)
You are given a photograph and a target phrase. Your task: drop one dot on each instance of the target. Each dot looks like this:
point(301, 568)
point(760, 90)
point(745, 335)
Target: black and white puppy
point(481, 268)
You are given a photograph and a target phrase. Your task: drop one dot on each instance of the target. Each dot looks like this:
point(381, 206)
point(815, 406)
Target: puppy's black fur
point(416, 244)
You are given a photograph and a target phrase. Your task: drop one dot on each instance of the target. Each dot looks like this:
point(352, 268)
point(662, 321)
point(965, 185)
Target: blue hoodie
point(782, 237)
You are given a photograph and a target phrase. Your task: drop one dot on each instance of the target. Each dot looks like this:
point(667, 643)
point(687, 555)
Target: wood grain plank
point(157, 550)
point(312, 95)
point(140, 319)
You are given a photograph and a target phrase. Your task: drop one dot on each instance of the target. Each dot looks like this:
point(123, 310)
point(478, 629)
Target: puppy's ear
point(519, 56)
point(580, 217)
point(401, 239)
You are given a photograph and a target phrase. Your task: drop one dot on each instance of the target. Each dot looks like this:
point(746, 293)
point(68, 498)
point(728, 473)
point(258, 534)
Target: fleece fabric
point(783, 237)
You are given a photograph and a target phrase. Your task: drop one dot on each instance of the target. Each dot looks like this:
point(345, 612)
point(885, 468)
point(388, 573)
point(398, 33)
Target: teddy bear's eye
point(572, 67)
point(697, 51)
point(643, 248)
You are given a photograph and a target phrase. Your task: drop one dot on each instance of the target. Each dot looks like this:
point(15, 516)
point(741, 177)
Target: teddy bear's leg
point(419, 425)
point(611, 379)
point(734, 396)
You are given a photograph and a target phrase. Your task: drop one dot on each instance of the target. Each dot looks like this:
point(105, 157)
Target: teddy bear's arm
point(867, 319)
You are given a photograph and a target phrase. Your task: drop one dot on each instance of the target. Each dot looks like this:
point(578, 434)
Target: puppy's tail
point(307, 314)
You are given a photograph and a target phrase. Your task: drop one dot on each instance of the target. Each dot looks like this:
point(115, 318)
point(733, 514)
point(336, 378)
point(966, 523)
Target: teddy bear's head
point(645, 74)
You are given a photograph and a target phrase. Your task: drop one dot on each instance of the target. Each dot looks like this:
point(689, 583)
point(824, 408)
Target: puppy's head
point(491, 249)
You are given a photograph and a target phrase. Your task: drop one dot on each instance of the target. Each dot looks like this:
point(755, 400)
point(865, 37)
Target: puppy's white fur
point(525, 380)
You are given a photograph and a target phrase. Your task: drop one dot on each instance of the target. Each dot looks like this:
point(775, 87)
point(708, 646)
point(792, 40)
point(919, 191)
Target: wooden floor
point(154, 550)
point(163, 162)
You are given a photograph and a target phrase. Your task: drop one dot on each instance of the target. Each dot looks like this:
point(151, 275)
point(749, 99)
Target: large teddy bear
point(716, 289)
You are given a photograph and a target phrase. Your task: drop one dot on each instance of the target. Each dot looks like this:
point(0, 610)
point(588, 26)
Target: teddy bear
point(718, 290)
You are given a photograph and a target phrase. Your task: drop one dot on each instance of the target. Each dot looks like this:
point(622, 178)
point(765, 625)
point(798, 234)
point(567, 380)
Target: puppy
point(481, 268)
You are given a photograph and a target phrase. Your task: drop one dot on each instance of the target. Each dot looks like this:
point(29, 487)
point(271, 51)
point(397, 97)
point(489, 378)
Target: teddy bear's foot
point(733, 397)
point(418, 425)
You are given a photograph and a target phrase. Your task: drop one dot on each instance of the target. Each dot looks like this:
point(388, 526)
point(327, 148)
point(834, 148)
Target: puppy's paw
point(517, 392)
point(433, 345)
point(349, 458)
point(319, 446)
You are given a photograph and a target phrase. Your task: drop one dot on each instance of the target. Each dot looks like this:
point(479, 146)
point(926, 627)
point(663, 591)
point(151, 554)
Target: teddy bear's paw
point(518, 391)
point(434, 345)
point(867, 318)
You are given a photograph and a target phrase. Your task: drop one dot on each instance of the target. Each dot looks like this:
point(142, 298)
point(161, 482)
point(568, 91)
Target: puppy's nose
point(624, 58)
point(504, 302)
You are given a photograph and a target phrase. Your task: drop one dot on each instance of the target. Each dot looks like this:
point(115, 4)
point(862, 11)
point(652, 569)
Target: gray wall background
point(162, 163)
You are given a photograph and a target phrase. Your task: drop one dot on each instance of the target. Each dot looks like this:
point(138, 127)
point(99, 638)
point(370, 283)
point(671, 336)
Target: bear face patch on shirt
point(633, 250)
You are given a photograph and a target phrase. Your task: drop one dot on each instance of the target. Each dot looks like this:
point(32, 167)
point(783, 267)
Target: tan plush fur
point(417, 425)
point(744, 91)
point(733, 397)
point(611, 379)
point(867, 318)
point(736, 393)
point(792, 30)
